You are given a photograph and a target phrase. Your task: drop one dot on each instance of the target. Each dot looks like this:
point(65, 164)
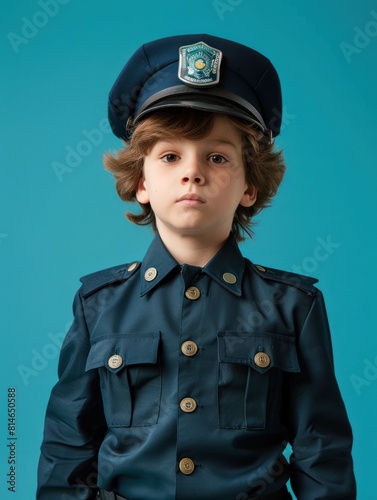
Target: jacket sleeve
point(320, 433)
point(74, 425)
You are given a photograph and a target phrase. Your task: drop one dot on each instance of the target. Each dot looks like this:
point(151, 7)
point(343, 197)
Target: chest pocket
point(250, 375)
point(130, 377)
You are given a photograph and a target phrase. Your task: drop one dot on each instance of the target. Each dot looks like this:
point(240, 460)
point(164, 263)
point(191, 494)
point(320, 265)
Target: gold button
point(150, 274)
point(115, 361)
point(262, 359)
point(229, 278)
point(188, 405)
point(261, 268)
point(189, 348)
point(186, 466)
point(132, 266)
point(192, 293)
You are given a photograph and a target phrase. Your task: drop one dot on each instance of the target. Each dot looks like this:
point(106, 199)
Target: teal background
point(54, 230)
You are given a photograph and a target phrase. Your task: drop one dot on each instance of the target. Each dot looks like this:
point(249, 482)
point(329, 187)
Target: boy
point(185, 376)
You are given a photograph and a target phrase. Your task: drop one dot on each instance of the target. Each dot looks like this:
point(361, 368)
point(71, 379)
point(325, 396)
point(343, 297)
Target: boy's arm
point(75, 424)
point(320, 432)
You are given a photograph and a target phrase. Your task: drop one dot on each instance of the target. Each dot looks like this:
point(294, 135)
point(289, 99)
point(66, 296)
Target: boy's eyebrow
point(223, 140)
point(213, 141)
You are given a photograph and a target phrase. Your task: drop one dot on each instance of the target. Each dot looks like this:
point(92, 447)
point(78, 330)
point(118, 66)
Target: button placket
point(189, 367)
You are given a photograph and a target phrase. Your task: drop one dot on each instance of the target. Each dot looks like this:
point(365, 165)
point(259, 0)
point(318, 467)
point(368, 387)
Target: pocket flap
point(115, 351)
point(260, 350)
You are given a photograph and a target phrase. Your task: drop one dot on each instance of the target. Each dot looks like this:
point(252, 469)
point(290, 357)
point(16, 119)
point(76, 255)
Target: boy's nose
point(193, 173)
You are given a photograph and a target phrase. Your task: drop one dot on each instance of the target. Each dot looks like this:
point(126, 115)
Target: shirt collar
point(226, 267)
point(156, 265)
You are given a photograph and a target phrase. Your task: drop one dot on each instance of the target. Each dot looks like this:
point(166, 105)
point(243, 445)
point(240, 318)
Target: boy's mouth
point(191, 199)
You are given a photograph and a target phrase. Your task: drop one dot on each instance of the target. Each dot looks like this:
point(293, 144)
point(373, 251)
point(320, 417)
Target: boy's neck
point(191, 249)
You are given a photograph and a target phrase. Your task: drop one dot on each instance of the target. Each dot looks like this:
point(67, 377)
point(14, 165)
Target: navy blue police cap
point(201, 72)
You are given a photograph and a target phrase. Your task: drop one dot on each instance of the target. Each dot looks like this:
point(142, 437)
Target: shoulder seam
point(100, 279)
point(299, 281)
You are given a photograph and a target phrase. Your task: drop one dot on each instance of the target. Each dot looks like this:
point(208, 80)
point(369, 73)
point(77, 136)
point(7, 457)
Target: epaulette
point(94, 281)
point(300, 281)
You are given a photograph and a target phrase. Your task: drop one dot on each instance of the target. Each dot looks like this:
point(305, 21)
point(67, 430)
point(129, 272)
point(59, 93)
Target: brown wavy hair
point(264, 167)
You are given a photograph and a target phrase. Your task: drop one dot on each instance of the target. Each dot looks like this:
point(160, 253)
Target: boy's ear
point(249, 197)
point(141, 192)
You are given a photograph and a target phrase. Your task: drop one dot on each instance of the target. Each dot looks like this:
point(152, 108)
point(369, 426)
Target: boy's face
point(195, 187)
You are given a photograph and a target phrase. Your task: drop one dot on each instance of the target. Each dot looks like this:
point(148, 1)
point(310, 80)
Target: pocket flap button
point(115, 361)
point(262, 359)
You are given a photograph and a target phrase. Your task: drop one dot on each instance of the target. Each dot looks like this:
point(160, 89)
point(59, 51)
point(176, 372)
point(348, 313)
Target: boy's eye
point(218, 159)
point(169, 158)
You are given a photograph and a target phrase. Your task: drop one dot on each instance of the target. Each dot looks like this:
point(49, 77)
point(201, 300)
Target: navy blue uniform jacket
point(179, 382)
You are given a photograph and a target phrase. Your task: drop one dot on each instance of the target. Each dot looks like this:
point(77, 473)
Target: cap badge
point(199, 65)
